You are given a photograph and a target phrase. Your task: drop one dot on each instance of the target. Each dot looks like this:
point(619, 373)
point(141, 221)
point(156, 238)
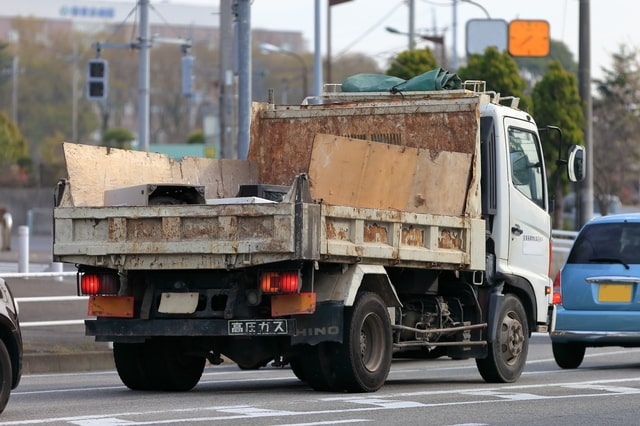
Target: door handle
point(516, 230)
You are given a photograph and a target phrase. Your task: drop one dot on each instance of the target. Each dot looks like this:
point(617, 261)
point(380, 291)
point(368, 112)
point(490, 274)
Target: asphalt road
point(433, 392)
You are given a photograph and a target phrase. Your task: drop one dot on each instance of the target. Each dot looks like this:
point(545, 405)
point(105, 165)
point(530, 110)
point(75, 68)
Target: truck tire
point(316, 365)
point(508, 354)
point(363, 360)
point(172, 367)
point(297, 367)
point(130, 360)
point(568, 355)
point(6, 376)
point(157, 364)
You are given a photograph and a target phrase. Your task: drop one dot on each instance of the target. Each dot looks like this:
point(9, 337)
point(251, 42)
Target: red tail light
point(92, 284)
point(557, 295)
point(280, 282)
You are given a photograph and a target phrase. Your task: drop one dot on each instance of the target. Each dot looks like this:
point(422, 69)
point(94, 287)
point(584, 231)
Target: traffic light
point(97, 79)
point(187, 75)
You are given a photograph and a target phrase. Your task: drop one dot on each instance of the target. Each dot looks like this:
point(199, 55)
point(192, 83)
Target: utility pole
point(227, 84)
point(584, 192)
point(454, 38)
point(317, 54)
point(244, 76)
point(143, 78)
point(15, 69)
point(74, 93)
point(412, 24)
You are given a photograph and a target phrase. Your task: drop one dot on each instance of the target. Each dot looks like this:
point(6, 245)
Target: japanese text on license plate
point(258, 327)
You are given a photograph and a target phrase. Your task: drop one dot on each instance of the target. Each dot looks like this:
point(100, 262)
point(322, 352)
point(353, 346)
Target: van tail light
point(280, 282)
point(557, 294)
point(93, 284)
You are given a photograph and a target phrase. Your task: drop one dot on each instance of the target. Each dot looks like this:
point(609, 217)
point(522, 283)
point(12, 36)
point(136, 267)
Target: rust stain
point(117, 229)
point(449, 239)
point(333, 233)
point(250, 227)
point(144, 229)
point(413, 237)
point(374, 233)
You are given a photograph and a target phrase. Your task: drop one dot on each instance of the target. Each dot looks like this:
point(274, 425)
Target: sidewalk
point(55, 348)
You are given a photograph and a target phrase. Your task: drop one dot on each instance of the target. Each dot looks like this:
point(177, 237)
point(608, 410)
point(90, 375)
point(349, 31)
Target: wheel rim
point(371, 340)
point(512, 338)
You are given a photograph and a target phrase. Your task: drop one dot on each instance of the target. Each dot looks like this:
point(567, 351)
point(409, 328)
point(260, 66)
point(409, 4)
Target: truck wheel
point(568, 355)
point(508, 354)
point(363, 360)
point(316, 366)
point(130, 360)
point(297, 368)
point(172, 366)
point(6, 376)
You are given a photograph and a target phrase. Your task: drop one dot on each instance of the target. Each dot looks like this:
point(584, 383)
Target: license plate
point(178, 303)
point(614, 293)
point(258, 327)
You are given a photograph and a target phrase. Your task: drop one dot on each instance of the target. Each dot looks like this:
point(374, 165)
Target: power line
point(371, 29)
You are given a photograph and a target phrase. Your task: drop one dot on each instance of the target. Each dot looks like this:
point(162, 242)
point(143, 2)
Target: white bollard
point(23, 249)
point(57, 267)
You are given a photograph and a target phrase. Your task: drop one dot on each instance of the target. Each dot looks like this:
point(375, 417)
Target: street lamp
point(438, 40)
point(478, 5)
point(267, 48)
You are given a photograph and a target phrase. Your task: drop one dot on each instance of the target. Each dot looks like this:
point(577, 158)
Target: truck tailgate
point(175, 237)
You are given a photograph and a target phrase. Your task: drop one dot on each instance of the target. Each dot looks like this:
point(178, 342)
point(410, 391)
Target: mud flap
point(495, 303)
point(325, 325)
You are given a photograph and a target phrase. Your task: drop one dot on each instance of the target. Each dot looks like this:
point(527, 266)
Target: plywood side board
point(353, 172)
point(92, 169)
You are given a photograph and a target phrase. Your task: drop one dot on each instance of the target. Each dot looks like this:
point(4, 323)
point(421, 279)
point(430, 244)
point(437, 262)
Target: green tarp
point(437, 79)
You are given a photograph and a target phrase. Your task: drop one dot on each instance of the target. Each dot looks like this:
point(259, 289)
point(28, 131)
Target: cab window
point(526, 165)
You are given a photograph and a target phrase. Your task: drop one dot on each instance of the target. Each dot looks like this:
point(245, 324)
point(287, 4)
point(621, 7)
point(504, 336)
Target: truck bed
point(232, 236)
point(393, 181)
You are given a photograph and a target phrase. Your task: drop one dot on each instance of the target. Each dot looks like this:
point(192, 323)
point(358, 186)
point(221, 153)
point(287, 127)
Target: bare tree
point(616, 130)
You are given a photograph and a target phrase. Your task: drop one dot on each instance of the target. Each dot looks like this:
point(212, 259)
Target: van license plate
point(258, 327)
point(619, 293)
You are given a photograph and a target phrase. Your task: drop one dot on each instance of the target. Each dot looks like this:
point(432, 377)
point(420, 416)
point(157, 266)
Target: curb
point(41, 363)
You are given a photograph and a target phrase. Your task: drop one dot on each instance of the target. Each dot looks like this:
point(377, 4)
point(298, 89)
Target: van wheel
point(363, 360)
point(508, 353)
point(568, 355)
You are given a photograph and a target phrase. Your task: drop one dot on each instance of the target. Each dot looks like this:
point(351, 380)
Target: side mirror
point(576, 163)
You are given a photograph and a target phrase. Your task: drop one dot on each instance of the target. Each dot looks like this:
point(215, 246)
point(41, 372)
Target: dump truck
point(362, 227)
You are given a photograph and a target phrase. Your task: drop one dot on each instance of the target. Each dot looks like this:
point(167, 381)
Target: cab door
point(529, 221)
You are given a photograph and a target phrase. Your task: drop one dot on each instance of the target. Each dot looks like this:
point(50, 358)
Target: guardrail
point(50, 299)
point(563, 240)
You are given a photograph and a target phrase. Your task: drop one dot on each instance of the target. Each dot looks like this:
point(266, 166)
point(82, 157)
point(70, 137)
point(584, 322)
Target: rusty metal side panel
point(175, 237)
point(395, 238)
point(281, 137)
